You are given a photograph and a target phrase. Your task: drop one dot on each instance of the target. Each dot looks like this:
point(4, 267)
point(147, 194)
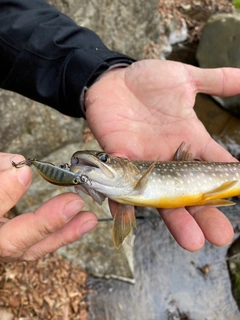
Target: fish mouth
point(97, 172)
point(87, 161)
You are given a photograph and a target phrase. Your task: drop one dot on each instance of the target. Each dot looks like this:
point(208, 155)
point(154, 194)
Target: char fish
point(159, 184)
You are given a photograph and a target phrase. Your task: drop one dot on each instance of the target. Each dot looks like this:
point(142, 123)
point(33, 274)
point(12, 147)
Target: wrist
point(112, 72)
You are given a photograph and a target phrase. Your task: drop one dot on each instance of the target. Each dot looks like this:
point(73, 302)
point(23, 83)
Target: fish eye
point(74, 160)
point(103, 157)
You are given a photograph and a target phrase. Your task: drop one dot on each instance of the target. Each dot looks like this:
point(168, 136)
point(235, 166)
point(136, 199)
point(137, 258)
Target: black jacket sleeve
point(47, 57)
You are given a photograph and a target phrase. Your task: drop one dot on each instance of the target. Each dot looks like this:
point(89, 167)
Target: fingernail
point(23, 176)
point(86, 227)
point(72, 208)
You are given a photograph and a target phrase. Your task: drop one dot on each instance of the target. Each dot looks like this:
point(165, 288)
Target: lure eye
point(103, 157)
point(75, 181)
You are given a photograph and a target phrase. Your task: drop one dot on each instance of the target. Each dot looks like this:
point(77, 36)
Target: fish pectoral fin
point(213, 194)
point(142, 182)
point(183, 153)
point(123, 220)
point(219, 203)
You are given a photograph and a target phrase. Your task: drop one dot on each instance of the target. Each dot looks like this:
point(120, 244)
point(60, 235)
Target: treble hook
point(22, 163)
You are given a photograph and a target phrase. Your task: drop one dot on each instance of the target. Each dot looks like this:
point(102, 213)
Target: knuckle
point(49, 227)
point(31, 256)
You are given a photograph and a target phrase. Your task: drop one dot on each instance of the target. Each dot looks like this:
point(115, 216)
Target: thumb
point(13, 182)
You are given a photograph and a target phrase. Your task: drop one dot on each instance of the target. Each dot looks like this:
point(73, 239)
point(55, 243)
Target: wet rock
point(195, 13)
point(220, 47)
point(222, 126)
point(234, 268)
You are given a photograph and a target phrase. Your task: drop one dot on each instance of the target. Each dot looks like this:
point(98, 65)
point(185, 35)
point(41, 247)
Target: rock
point(234, 268)
point(128, 27)
point(32, 129)
point(220, 47)
point(222, 126)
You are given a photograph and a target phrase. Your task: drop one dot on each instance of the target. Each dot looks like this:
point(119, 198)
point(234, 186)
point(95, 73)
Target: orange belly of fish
point(186, 200)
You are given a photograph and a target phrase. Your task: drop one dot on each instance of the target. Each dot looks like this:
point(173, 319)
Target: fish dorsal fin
point(124, 218)
point(142, 182)
point(183, 153)
point(219, 203)
point(213, 194)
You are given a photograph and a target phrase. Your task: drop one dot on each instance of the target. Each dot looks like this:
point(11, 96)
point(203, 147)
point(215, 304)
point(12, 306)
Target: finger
point(82, 223)
point(14, 182)
point(7, 158)
point(220, 82)
point(30, 228)
point(216, 227)
point(183, 228)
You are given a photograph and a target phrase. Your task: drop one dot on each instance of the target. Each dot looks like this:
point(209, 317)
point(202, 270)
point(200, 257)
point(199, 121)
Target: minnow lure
point(60, 176)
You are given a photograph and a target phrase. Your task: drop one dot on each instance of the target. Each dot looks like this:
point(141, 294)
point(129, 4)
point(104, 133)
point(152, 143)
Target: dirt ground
point(50, 288)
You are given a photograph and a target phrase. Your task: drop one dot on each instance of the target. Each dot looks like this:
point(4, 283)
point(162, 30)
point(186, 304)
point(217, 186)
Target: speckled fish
point(178, 183)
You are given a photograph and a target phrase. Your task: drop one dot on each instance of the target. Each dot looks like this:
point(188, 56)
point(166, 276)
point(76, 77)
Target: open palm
point(145, 111)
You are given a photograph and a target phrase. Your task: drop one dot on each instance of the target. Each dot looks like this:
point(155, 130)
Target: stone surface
point(128, 27)
point(220, 47)
point(32, 129)
point(222, 126)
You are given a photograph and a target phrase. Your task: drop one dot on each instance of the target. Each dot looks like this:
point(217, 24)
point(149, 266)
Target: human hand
point(31, 235)
point(145, 111)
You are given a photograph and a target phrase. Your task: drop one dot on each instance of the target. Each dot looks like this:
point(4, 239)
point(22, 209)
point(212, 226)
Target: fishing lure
point(60, 176)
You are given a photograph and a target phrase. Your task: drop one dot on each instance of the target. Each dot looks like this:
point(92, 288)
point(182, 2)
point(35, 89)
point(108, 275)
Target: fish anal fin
point(219, 203)
point(142, 182)
point(183, 153)
point(123, 220)
point(213, 194)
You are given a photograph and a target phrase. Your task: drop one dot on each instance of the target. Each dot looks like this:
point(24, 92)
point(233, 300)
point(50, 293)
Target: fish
point(178, 183)
point(60, 176)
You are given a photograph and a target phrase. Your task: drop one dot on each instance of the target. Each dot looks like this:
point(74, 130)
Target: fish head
point(106, 176)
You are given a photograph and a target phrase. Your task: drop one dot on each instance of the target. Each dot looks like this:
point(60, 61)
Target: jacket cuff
point(82, 70)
